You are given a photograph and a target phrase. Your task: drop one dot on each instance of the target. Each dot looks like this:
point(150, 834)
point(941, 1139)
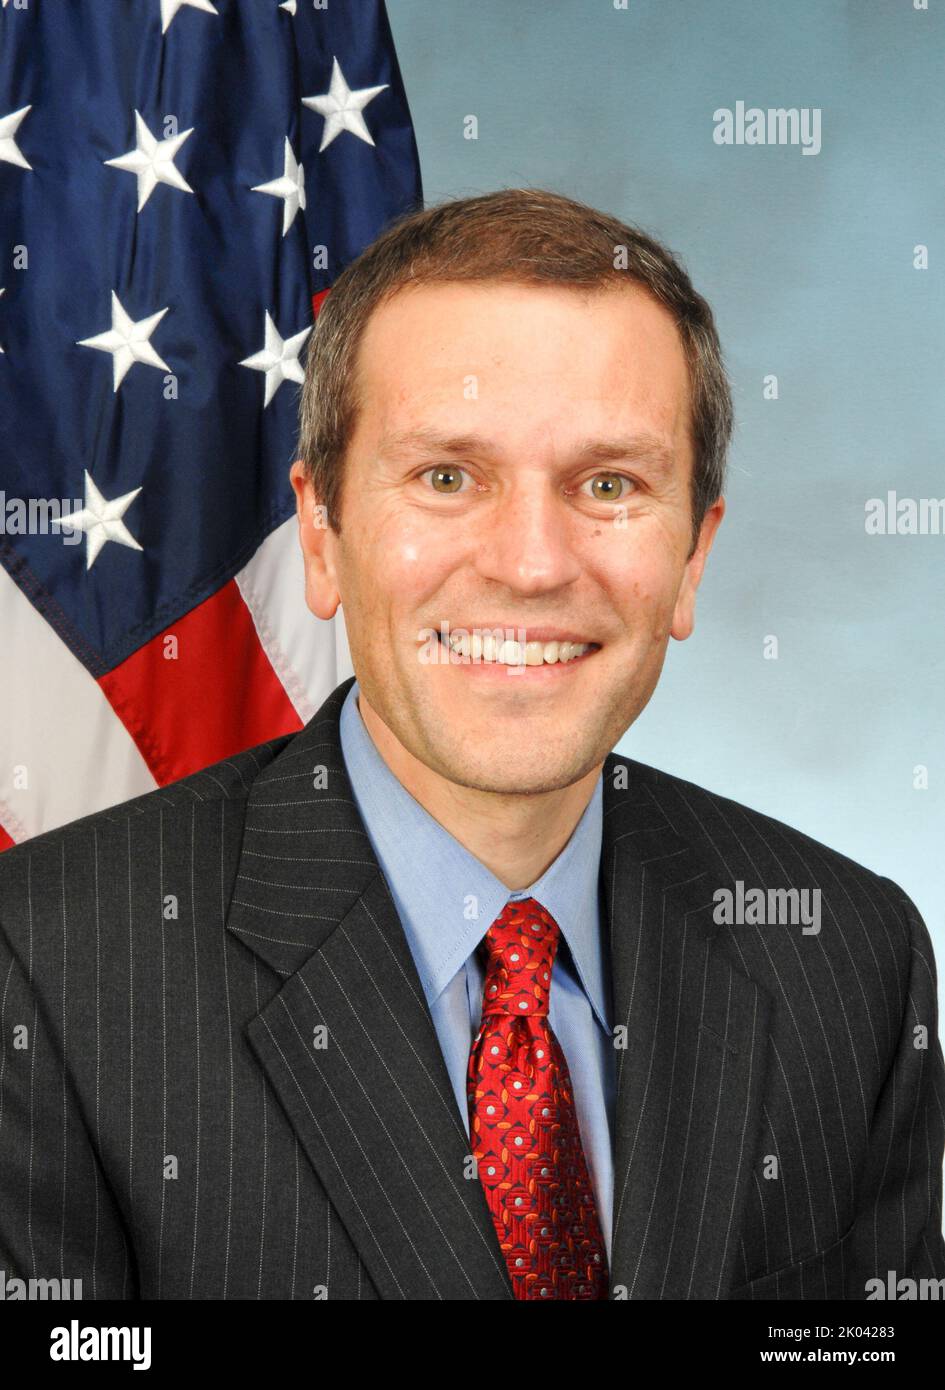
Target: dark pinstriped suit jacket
point(219, 1077)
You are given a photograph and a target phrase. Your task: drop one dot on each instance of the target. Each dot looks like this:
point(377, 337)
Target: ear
point(318, 541)
point(685, 611)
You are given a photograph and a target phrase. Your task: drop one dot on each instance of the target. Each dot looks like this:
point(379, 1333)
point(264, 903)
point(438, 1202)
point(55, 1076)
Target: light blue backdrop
point(808, 263)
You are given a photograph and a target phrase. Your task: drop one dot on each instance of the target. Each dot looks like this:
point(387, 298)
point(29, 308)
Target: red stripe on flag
point(6, 841)
point(204, 696)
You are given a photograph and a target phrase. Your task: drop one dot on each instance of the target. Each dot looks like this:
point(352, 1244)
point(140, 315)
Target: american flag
point(180, 183)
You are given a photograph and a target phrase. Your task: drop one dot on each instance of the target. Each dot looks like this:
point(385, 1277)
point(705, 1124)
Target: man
point(439, 998)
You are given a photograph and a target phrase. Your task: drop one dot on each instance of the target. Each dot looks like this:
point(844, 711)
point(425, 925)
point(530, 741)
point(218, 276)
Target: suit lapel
point(349, 1046)
point(691, 1059)
point(348, 1042)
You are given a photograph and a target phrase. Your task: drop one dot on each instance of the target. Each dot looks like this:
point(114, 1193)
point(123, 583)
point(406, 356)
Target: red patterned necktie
point(522, 1124)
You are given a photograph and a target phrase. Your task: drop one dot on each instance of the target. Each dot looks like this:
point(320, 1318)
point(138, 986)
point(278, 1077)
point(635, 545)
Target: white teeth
point(485, 647)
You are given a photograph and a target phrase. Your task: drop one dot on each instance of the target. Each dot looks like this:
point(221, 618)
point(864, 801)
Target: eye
point(445, 479)
point(606, 487)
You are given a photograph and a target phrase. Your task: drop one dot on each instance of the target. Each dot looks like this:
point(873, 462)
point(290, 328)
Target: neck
point(516, 836)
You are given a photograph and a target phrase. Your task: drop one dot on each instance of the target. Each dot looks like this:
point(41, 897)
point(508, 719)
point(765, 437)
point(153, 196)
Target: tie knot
point(520, 952)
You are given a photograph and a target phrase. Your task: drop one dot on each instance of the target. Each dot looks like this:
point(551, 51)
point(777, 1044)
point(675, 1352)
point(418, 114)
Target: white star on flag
point(169, 9)
point(101, 521)
point(279, 359)
point(342, 107)
point(152, 161)
point(9, 150)
point(286, 5)
point(291, 187)
point(128, 341)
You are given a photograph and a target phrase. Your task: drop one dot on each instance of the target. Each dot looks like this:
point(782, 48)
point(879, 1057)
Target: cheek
point(643, 585)
point(648, 577)
point(399, 557)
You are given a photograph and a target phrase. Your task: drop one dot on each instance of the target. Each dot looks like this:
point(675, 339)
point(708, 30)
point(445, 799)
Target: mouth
point(489, 650)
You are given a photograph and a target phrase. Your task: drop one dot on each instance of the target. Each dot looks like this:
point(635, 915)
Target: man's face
point(515, 524)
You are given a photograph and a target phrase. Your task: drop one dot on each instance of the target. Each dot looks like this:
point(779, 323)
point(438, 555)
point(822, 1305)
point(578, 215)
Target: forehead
point(531, 358)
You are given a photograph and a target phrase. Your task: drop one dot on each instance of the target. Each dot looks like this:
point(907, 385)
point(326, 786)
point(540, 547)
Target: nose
point(527, 540)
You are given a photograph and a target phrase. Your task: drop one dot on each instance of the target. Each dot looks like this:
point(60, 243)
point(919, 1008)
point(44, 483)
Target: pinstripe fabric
point(214, 1042)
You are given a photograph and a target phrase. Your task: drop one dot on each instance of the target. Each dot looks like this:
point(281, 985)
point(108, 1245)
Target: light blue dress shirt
point(433, 880)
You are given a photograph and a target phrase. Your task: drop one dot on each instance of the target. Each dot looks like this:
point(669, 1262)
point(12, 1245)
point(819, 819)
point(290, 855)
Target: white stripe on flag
point(59, 733)
point(310, 656)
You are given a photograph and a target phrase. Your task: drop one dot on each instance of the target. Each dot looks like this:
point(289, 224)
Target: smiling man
point(521, 472)
point(447, 1006)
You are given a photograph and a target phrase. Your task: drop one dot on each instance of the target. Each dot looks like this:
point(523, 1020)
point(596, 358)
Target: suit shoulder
point(743, 835)
point(227, 780)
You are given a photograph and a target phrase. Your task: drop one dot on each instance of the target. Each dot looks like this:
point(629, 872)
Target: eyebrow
point(633, 448)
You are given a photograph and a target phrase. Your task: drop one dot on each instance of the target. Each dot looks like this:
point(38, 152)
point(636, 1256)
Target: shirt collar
point(445, 897)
